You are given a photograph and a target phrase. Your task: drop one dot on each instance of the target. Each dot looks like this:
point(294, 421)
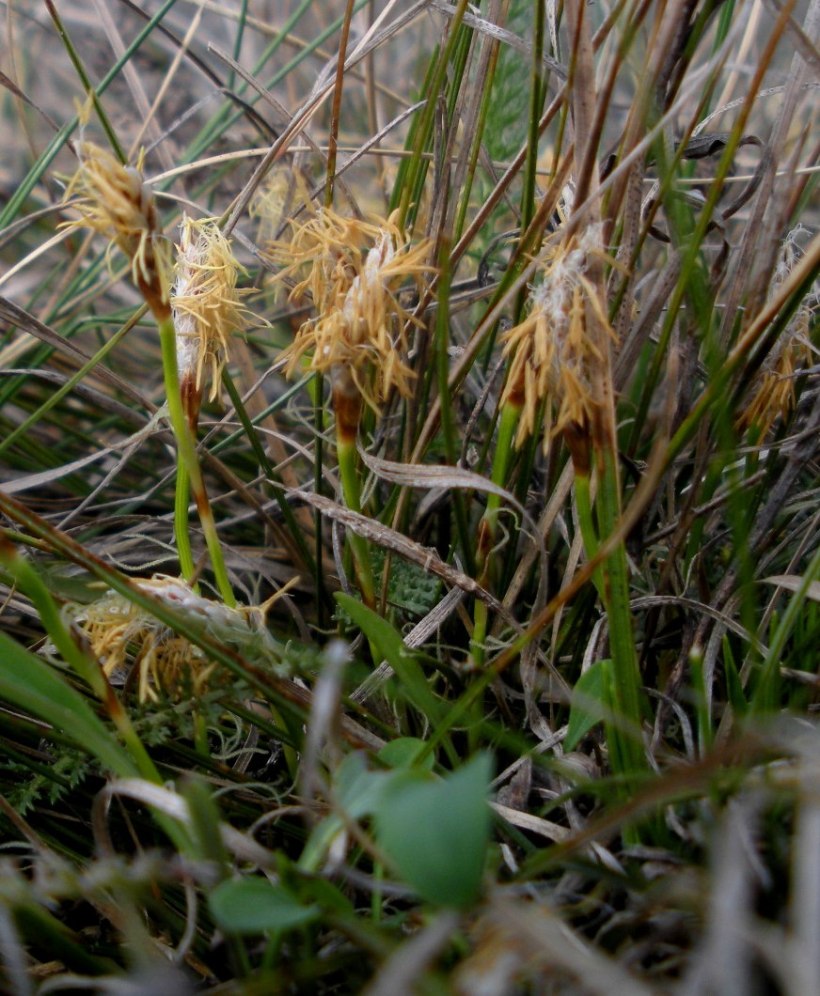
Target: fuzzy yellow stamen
point(354, 270)
point(550, 352)
point(123, 637)
point(772, 396)
point(113, 200)
point(206, 303)
point(282, 192)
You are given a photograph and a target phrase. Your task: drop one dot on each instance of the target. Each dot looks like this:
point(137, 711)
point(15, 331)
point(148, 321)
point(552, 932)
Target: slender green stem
point(317, 391)
point(189, 461)
point(181, 534)
point(504, 451)
point(536, 104)
point(628, 755)
point(86, 81)
point(445, 397)
point(583, 501)
point(351, 489)
point(765, 695)
point(417, 164)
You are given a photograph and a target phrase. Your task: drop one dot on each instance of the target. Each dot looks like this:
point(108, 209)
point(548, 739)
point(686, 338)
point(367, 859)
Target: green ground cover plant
point(409, 426)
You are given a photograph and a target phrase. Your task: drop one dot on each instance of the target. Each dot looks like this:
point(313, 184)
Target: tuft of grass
point(487, 362)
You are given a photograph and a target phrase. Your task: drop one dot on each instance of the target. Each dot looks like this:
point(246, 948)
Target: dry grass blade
point(424, 557)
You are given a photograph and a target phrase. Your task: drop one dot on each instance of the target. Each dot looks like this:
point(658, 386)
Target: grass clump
point(485, 659)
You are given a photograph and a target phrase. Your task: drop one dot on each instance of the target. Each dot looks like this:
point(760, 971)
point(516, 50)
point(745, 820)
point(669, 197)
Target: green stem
point(87, 84)
point(317, 392)
point(417, 164)
point(627, 750)
point(351, 490)
point(445, 397)
point(583, 501)
point(181, 534)
point(188, 460)
point(504, 451)
point(765, 696)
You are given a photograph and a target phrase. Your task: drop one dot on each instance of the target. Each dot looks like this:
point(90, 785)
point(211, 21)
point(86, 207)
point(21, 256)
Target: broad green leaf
point(435, 831)
point(588, 705)
point(253, 906)
point(357, 787)
point(402, 753)
point(33, 685)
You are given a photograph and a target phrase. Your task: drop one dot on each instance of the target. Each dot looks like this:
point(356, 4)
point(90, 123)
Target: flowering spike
point(772, 396)
point(206, 307)
point(353, 270)
point(550, 351)
point(123, 636)
point(113, 200)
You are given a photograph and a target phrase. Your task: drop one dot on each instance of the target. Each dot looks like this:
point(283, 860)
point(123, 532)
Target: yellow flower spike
point(206, 304)
point(354, 271)
point(772, 396)
point(550, 352)
point(113, 200)
point(283, 190)
point(124, 637)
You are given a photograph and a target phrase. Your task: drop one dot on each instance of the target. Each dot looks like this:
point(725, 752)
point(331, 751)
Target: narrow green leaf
point(390, 645)
point(734, 686)
point(31, 684)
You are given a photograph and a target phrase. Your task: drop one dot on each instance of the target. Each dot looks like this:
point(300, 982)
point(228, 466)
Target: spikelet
point(353, 270)
point(550, 352)
point(207, 306)
point(123, 636)
point(772, 394)
point(113, 200)
point(282, 192)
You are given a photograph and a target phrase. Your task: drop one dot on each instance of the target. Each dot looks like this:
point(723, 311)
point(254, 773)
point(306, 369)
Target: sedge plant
point(113, 200)
point(352, 270)
point(620, 200)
